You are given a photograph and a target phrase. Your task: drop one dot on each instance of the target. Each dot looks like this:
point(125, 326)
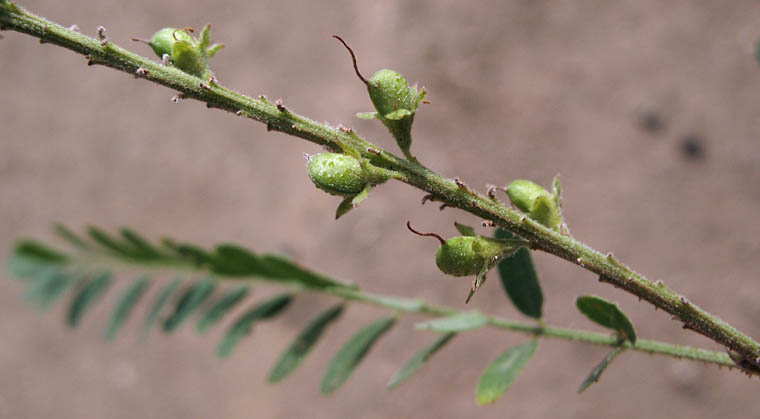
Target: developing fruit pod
point(395, 102)
point(466, 255)
point(336, 174)
point(536, 202)
point(183, 50)
point(163, 41)
point(344, 175)
point(471, 254)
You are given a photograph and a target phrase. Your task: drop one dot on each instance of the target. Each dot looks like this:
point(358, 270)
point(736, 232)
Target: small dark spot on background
point(692, 147)
point(650, 120)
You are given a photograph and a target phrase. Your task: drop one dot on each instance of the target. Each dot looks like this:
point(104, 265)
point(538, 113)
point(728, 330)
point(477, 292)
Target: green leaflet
point(86, 297)
point(40, 252)
point(31, 258)
point(503, 371)
point(111, 243)
point(158, 304)
point(352, 352)
point(141, 246)
point(69, 236)
point(189, 253)
point(460, 322)
point(419, 360)
point(599, 369)
point(243, 325)
point(233, 260)
point(221, 307)
point(191, 300)
point(304, 342)
point(606, 314)
point(41, 267)
point(126, 303)
point(520, 280)
point(48, 287)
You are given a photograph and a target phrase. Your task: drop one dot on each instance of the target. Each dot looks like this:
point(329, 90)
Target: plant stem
point(94, 261)
point(644, 345)
point(453, 194)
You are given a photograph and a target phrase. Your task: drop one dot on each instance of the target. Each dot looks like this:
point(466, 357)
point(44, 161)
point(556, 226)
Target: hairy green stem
point(644, 345)
point(453, 193)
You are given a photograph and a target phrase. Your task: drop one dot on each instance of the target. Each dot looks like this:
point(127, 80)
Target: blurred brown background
point(648, 109)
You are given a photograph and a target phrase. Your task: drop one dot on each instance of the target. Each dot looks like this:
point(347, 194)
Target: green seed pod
point(184, 51)
point(344, 175)
point(390, 93)
point(336, 174)
point(163, 41)
point(523, 193)
point(396, 103)
point(458, 256)
point(394, 100)
point(536, 202)
point(471, 254)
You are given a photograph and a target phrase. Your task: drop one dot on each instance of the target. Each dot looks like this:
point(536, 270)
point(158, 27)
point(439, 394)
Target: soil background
point(649, 110)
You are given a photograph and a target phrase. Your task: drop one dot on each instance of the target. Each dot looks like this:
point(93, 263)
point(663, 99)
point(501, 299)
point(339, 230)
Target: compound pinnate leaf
point(419, 360)
point(606, 314)
point(244, 324)
point(304, 342)
point(503, 371)
point(460, 322)
point(520, 280)
point(352, 352)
